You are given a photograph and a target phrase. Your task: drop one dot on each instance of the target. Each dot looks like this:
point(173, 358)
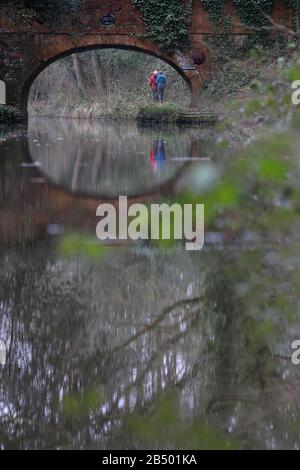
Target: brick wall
point(26, 50)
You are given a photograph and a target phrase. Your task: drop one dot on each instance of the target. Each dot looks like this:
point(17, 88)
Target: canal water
point(143, 347)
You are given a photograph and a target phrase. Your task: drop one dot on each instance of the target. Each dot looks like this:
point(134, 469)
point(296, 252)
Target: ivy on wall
point(252, 13)
point(217, 14)
point(166, 22)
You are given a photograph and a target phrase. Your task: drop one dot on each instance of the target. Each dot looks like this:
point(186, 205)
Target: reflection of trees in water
point(133, 326)
point(136, 326)
point(109, 158)
point(69, 330)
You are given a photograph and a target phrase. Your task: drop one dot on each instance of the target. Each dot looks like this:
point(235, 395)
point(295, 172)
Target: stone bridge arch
point(66, 47)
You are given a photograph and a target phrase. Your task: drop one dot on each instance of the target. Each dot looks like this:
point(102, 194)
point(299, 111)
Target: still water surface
point(143, 348)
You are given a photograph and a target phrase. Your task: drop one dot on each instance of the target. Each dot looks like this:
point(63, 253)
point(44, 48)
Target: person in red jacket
point(152, 84)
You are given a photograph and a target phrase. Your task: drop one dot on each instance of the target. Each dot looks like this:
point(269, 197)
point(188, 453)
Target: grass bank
point(114, 107)
point(159, 114)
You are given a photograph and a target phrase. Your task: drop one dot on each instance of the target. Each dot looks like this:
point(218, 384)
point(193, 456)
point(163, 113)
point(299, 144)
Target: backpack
point(161, 79)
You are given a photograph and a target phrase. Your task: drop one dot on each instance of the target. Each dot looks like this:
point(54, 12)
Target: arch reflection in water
point(110, 159)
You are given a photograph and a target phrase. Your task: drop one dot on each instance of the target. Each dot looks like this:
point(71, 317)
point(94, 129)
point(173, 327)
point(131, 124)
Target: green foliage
point(166, 425)
point(217, 14)
point(252, 107)
point(80, 245)
point(166, 22)
point(296, 119)
point(253, 15)
point(228, 80)
point(292, 73)
point(80, 405)
point(264, 166)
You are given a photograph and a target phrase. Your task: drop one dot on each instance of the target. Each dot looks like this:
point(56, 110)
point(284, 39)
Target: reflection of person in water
point(158, 155)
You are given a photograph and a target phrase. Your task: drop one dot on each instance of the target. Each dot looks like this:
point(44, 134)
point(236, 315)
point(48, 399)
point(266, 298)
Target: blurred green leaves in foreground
point(165, 425)
point(71, 245)
point(81, 404)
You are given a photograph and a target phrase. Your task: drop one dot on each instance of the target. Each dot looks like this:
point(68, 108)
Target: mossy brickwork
point(173, 30)
point(167, 21)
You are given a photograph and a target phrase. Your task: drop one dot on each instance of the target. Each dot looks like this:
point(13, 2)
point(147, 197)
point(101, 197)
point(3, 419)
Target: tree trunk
point(80, 75)
point(99, 73)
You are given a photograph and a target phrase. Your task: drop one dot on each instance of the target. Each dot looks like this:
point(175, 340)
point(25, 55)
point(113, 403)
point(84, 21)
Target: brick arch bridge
point(86, 43)
point(25, 50)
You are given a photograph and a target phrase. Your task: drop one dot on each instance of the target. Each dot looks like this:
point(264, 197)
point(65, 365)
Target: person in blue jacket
point(161, 82)
point(160, 156)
